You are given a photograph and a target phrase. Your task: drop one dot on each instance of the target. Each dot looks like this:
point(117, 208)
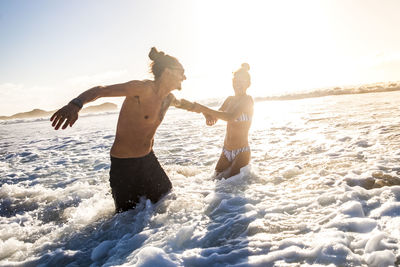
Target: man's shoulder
point(140, 83)
point(170, 96)
point(140, 86)
point(169, 99)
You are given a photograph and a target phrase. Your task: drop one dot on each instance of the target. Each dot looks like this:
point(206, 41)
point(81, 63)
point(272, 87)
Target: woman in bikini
point(237, 110)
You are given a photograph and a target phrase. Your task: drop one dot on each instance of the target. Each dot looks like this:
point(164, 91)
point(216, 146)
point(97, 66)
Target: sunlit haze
point(53, 50)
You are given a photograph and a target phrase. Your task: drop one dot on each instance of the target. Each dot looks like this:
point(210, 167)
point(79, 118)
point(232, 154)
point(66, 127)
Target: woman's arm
point(225, 104)
point(226, 116)
point(211, 120)
point(222, 114)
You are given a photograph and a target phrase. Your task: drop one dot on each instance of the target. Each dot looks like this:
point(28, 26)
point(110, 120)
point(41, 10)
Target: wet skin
point(141, 113)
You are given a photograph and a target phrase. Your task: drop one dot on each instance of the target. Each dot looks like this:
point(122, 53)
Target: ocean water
point(298, 203)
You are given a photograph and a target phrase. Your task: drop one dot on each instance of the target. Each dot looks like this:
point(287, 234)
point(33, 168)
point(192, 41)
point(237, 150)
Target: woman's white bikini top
point(243, 117)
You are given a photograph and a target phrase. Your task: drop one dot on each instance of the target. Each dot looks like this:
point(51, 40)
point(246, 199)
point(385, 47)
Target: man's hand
point(67, 115)
point(210, 120)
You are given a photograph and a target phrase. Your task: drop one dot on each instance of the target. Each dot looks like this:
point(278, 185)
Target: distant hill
point(368, 88)
point(37, 113)
point(100, 108)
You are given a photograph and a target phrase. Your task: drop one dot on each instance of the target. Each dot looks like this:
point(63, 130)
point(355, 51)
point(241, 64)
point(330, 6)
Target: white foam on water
point(302, 201)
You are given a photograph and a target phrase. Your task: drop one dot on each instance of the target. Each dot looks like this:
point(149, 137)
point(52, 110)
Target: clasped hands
point(195, 107)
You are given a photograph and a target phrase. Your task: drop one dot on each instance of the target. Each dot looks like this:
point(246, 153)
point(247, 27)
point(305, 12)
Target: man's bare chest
point(147, 110)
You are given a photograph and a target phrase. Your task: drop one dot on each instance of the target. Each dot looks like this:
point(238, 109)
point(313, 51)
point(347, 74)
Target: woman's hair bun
point(155, 54)
point(245, 66)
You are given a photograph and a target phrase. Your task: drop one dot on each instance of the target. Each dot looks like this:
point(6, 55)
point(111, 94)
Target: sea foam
point(313, 194)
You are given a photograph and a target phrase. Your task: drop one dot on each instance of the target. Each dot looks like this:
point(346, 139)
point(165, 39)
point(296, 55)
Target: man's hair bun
point(160, 61)
point(245, 66)
point(155, 54)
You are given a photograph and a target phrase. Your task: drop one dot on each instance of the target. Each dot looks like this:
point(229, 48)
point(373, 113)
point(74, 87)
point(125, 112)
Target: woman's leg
point(222, 164)
point(241, 160)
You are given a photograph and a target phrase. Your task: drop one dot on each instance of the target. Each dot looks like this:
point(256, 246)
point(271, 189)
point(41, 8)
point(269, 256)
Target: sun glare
point(288, 49)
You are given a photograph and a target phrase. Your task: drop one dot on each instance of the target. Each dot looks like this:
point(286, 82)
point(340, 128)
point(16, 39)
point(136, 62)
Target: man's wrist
point(77, 102)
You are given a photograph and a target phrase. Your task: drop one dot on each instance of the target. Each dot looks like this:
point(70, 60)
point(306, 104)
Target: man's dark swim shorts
point(131, 178)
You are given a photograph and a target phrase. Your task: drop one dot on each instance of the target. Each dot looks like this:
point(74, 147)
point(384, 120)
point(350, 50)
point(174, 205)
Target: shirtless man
point(135, 170)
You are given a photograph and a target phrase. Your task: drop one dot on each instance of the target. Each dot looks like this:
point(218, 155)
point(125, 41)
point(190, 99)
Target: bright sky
point(50, 51)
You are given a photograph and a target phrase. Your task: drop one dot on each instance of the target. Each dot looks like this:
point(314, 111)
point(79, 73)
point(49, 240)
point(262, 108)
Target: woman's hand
point(210, 120)
point(68, 113)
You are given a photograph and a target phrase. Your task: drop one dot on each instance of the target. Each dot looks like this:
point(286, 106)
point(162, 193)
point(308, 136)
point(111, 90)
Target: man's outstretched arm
point(68, 114)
